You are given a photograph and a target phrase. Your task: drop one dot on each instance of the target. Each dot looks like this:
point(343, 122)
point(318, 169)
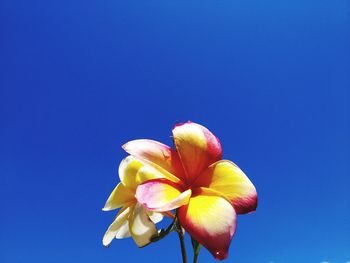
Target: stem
point(174, 226)
point(181, 235)
point(182, 243)
point(195, 258)
point(164, 232)
point(196, 248)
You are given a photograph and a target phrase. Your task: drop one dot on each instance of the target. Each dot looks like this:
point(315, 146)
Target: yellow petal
point(115, 226)
point(141, 226)
point(119, 197)
point(147, 173)
point(197, 147)
point(228, 179)
point(211, 220)
point(128, 169)
point(133, 171)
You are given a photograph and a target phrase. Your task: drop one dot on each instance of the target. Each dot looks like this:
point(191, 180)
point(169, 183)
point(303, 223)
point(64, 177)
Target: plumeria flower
point(207, 191)
point(133, 219)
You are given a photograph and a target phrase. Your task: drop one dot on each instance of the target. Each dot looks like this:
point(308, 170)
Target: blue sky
point(80, 78)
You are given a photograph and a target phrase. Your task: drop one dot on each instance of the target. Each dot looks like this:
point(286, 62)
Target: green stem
point(182, 242)
point(164, 232)
point(181, 234)
point(174, 226)
point(195, 257)
point(196, 248)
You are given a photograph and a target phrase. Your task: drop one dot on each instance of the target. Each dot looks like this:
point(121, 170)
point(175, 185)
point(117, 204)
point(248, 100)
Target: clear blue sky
point(79, 78)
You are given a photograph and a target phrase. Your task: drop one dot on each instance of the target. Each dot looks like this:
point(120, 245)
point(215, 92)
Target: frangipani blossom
point(207, 191)
point(132, 219)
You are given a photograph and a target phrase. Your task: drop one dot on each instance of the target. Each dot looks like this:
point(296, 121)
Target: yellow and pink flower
point(207, 191)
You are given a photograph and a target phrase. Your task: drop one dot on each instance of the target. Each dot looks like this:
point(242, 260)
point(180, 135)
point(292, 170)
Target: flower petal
point(123, 231)
point(157, 154)
point(226, 177)
point(147, 173)
point(141, 226)
point(197, 148)
point(115, 226)
point(128, 169)
point(211, 220)
point(154, 216)
point(119, 197)
point(161, 195)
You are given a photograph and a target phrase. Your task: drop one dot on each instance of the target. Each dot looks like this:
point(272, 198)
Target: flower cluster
point(206, 191)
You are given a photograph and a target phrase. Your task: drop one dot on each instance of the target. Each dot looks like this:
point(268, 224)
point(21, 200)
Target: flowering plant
point(205, 192)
